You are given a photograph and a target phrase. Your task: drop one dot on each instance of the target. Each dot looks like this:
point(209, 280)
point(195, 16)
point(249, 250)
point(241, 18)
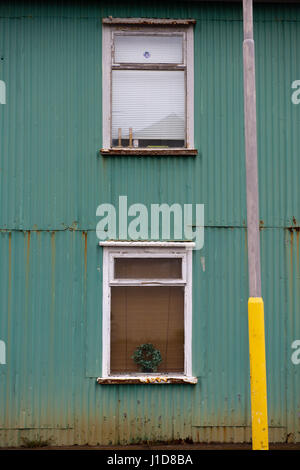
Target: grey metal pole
point(257, 357)
point(251, 153)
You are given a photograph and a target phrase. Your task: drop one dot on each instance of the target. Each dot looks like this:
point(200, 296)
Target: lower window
point(147, 310)
point(144, 316)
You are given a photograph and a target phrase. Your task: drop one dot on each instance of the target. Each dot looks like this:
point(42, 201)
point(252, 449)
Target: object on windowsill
point(147, 357)
point(119, 137)
point(130, 137)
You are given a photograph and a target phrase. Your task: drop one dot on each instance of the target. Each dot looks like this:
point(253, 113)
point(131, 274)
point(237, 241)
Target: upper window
point(147, 87)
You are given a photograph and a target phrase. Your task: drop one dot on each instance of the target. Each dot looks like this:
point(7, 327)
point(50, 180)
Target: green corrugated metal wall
point(51, 181)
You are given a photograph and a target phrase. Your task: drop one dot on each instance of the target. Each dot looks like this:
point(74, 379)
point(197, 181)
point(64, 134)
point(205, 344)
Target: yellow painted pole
point(255, 303)
point(258, 380)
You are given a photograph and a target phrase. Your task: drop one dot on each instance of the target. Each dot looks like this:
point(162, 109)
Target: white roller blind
point(150, 102)
point(148, 49)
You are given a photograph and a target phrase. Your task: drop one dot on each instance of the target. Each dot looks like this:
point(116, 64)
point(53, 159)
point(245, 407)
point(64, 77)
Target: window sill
point(148, 21)
point(147, 244)
point(151, 152)
point(147, 379)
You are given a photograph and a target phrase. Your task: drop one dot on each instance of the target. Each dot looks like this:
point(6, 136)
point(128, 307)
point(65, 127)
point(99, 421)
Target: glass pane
point(148, 105)
point(148, 268)
point(146, 49)
point(142, 315)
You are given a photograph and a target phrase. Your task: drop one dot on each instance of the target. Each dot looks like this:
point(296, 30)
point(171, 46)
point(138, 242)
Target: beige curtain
point(147, 315)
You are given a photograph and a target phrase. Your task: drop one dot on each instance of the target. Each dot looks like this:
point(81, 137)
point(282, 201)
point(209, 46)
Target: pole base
point(258, 380)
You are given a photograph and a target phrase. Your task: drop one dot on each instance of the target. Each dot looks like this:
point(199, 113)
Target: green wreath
point(147, 357)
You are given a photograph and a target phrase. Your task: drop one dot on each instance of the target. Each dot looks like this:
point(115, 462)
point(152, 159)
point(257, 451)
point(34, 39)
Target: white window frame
point(112, 250)
point(111, 27)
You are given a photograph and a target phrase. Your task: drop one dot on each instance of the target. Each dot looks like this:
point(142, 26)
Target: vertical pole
point(255, 303)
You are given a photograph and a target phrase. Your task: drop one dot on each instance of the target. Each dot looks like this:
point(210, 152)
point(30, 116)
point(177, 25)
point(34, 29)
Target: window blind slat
point(150, 102)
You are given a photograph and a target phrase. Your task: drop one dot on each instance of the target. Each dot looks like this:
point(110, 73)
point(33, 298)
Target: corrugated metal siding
point(51, 293)
point(48, 314)
point(51, 182)
point(277, 66)
point(292, 326)
point(52, 124)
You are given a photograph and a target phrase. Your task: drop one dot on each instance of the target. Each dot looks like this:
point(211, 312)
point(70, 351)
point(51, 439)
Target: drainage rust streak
point(291, 253)
point(84, 234)
point(27, 271)
point(52, 271)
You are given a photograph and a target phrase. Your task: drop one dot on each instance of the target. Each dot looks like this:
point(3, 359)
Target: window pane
point(152, 104)
point(146, 49)
point(148, 268)
point(142, 315)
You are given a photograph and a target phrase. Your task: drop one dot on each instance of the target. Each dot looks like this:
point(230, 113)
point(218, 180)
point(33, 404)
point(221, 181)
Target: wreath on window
point(147, 357)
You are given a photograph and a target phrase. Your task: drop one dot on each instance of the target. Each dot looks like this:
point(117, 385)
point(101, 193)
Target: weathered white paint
point(159, 26)
point(149, 250)
point(147, 244)
point(106, 85)
point(144, 378)
point(148, 21)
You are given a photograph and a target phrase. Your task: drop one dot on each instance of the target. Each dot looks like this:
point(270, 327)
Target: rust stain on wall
point(27, 270)
point(28, 247)
point(84, 235)
point(291, 253)
point(9, 271)
point(297, 236)
point(9, 289)
point(53, 260)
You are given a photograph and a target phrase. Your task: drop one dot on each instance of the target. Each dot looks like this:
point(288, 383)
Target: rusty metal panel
point(277, 67)
point(52, 179)
point(51, 145)
point(53, 334)
point(293, 333)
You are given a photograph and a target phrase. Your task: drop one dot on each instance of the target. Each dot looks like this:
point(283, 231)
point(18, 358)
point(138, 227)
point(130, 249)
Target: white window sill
point(147, 244)
point(147, 379)
point(149, 151)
